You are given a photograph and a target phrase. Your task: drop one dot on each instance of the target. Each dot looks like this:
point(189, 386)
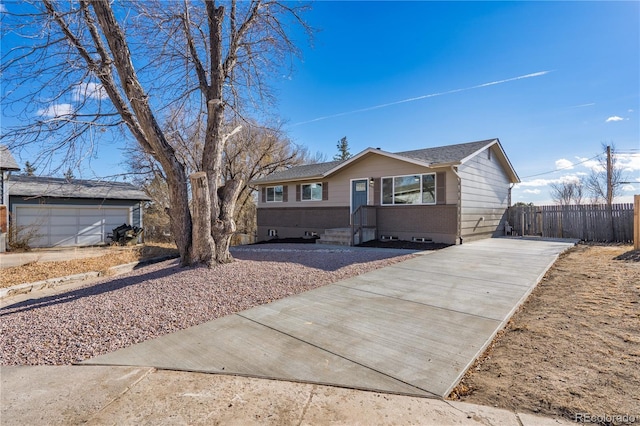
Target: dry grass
point(37, 271)
point(574, 346)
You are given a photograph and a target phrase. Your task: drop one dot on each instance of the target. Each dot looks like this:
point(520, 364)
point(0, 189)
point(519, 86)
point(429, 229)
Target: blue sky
point(551, 80)
point(455, 64)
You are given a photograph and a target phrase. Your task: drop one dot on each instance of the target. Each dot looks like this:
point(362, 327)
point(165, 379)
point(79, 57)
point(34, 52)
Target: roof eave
point(273, 181)
point(490, 143)
point(378, 152)
point(81, 197)
point(513, 175)
point(511, 172)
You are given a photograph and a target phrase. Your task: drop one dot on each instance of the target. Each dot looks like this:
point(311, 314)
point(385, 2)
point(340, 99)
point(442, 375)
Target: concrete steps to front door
point(336, 236)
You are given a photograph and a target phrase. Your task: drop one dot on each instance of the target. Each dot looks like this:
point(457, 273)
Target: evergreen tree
point(68, 175)
point(343, 150)
point(29, 170)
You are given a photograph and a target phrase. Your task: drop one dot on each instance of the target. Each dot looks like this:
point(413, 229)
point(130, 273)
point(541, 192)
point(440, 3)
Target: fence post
point(635, 225)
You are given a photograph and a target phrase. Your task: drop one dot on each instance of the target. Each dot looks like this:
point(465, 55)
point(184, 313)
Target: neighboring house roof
point(7, 162)
point(36, 186)
point(442, 156)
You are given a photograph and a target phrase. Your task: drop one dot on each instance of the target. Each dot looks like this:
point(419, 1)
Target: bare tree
point(92, 66)
point(256, 152)
point(567, 192)
point(605, 182)
point(253, 152)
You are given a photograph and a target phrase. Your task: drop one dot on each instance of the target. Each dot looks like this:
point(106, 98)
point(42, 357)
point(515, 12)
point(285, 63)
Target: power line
point(562, 168)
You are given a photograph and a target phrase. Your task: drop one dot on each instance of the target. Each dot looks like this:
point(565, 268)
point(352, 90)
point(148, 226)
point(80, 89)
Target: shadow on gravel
point(327, 258)
point(110, 285)
point(391, 244)
point(630, 256)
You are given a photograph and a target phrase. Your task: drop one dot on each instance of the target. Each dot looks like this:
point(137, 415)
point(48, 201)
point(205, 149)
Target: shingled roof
point(36, 186)
point(301, 172)
point(449, 155)
point(7, 162)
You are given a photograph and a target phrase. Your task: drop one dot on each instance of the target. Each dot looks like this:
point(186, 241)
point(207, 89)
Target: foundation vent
point(421, 240)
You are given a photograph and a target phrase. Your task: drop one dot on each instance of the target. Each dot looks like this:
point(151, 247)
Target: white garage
point(53, 212)
point(58, 226)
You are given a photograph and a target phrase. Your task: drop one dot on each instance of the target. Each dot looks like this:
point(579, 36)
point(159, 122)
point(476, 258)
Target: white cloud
point(56, 110)
point(563, 164)
point(613, 118)
point(89, 90)
point(575, 177)
point(593, 164)
point(629, 110)
point(628, 162)
point(536, 182)
point(532, 191)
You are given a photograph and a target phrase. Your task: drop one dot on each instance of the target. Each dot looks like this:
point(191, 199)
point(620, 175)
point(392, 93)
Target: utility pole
point(610, 191)
point(609, 177)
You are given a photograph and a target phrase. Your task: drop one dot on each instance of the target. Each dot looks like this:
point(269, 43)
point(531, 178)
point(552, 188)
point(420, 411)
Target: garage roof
point(7, 162)
point(37, 186)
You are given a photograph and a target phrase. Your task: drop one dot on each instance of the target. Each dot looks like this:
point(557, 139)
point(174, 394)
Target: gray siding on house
point(484, 196)
point(137, 215)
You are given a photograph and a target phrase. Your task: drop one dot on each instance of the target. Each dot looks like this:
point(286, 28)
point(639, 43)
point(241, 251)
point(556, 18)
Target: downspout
point(458, 204)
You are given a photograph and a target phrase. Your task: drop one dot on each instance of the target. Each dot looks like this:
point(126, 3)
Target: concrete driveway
point(412, 328)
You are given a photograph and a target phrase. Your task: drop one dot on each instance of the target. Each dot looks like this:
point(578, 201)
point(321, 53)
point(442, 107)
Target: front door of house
point(359, 193)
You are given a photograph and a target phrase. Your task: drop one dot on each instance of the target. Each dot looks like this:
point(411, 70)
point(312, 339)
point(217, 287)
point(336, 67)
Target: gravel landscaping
point(118, 312)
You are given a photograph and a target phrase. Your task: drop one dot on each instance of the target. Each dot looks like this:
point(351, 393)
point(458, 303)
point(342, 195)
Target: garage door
point(59, 226)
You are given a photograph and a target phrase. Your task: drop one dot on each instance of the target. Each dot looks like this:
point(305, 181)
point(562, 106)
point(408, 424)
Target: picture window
point(409, 189)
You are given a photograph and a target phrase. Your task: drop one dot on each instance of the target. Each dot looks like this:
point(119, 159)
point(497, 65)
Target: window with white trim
point(409, 189)
point(275, 194)
point(312, 192)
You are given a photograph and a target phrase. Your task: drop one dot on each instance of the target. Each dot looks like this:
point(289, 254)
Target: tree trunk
point(223, 226)
point(203, 244)
point(149, 134)
point(180, 216)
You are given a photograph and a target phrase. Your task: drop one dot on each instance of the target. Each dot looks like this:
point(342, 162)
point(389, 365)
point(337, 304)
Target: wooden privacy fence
point(588, 222)
point(636, 222)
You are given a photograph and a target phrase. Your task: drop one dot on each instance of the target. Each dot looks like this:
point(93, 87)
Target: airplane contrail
point(417, 98)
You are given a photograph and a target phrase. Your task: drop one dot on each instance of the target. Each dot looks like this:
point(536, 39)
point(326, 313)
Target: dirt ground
point(116, 255)
point(573, 348)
